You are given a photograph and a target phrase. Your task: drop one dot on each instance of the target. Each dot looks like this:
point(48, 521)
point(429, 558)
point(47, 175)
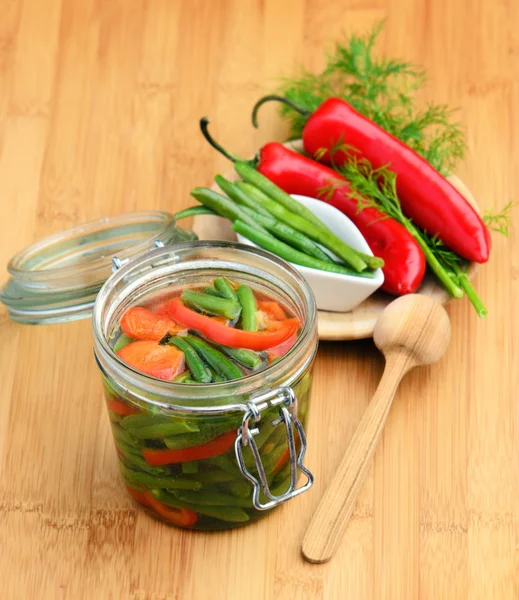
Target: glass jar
point(208, 456)
point(57, 278)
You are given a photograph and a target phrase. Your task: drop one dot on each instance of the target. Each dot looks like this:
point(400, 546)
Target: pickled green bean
point(143, 420)
point(217, 360)
point(225, 289)
point(212, 292)
point(174, 427)
point(249, 307)
point(196, 365)
point(183, 377)
point(211, 498)
point(224, 513)
point(122, 341)
point(246, 358)
point(189, 468)
point(223, 307)
point(157, 481)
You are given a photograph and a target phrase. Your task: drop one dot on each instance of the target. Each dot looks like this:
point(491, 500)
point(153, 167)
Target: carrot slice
point(272, 309)
point(163, 362)
point(183, 517)
point(142, 324)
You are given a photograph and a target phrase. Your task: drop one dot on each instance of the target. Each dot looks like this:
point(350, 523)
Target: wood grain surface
point(99, 108)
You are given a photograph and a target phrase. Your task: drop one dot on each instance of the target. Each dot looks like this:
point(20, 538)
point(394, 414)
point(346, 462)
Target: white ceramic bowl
point(333, 291)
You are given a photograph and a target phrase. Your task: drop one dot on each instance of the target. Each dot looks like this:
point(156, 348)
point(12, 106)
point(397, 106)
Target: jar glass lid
point(57, 278)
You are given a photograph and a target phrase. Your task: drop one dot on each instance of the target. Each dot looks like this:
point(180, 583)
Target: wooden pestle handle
point(329, 523)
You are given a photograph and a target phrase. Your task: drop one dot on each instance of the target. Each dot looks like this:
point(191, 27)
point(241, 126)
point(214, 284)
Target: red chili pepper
point(183, 517)
point(404, 261)
point(229, 336)
point(426, 197)
point(167, 456)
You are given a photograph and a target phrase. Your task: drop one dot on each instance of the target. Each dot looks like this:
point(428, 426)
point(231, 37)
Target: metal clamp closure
point(117, 262)
point(285, 398)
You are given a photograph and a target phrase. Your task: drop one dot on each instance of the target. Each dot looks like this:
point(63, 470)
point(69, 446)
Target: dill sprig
point(499, 221)
point(377, 188)
point(383, 90)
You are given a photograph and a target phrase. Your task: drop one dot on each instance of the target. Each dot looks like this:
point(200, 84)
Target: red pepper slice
point(121, 408)
point(183, 517)
point(283, 459)
point(272, 309)
point(282, 348)
point(229, 336)
point(142, 324)
point(220, 445)
point(163, 362)
point(138, 495)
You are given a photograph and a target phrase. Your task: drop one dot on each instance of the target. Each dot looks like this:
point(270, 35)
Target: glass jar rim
point(238, 387)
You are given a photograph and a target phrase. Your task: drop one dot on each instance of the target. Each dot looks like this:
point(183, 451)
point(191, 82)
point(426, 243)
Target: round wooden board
point(358, 323)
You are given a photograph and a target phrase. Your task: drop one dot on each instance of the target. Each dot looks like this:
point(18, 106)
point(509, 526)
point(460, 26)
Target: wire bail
point(286, 399)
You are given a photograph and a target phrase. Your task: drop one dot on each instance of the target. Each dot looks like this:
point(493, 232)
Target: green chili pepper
point(196, 365)
point(225, 289)
point(211, 304)
point(247, 299)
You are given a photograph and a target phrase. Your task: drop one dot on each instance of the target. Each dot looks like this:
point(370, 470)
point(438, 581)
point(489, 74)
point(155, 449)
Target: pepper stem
point(204, 122)
point(261, 101)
